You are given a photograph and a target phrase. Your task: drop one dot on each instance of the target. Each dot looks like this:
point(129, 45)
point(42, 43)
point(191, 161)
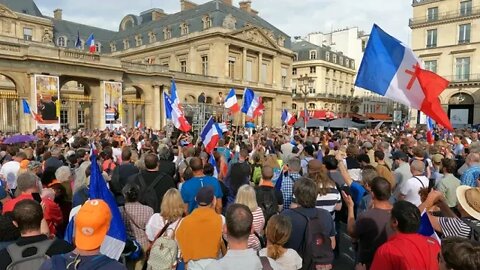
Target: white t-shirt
point(290, 260)
point(9, 172)
point(156, 223)
point(411, 188)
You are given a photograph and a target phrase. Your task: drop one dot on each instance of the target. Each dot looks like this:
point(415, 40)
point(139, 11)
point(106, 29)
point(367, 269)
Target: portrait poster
point(113, 102)
point(47, 94)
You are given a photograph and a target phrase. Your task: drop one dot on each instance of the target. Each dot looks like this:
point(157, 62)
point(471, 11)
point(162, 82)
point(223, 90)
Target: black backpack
point(268, 202)
point(317, 246)
point(475, 228)
point(148, 194)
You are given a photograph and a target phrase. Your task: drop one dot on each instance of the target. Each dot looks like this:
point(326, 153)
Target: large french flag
point(210, 135)
point(252, 104)
point(231, 102)
point(114, 242)
point(288, 118)
point(174, 110)
point(391, 69)
point(91, 43)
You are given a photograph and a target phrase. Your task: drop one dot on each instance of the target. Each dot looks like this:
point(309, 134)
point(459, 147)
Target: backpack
point(317, 247)
point(59, 262)
point(163, 253)
point(475, 229)
point(148, 194)
point(256, 174)
point(32, 262)
point(268, 202)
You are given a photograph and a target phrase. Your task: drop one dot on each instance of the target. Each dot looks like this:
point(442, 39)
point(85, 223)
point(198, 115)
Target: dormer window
point(313, 55)
point(207, 22)
point(167, 33)
point(152, 37)
point(138, 40)
point(184, 29)
point(62, 41)
point(113, 47)
point(126, 44)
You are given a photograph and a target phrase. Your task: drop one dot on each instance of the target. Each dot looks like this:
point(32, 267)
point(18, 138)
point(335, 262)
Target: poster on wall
point(459, 116)
point(113, 101)
point(47, 100)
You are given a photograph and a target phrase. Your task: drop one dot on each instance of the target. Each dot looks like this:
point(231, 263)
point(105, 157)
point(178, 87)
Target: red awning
point(378, 116)
point(319, 114)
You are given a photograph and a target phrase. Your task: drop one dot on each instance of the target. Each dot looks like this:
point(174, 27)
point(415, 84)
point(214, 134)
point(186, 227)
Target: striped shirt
point(258, 224)
point(329, 200)
point(454, 227)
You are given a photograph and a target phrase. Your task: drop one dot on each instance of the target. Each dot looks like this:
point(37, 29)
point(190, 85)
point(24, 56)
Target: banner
point(47, 94)
point(113, 101)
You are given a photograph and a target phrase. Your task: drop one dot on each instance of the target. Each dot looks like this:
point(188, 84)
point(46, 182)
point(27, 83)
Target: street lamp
point(307, 83)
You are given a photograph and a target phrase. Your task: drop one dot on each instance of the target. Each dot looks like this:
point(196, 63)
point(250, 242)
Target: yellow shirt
point(199, 234)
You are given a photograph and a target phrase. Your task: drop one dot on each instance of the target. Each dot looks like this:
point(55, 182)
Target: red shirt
point(51, 213)
point(407, 252)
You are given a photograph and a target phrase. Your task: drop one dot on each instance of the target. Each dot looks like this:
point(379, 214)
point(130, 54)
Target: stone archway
point(460, 109)
point(76, 104)
point(190, 99)
point(9, 104)
point(133, 106)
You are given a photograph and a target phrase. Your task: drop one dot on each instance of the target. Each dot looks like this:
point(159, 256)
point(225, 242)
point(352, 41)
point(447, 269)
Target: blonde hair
point(172, 207)
point(272, 161)
point(246, 195)
point(278, 232)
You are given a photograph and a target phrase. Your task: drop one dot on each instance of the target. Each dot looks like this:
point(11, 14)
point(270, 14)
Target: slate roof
point(23, 6)
point(216, 10)
point(303, 48)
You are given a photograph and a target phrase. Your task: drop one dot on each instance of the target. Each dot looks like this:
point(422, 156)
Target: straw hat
point(469, 199)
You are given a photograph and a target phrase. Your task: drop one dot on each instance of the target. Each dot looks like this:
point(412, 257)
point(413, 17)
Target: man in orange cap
point(91, 226)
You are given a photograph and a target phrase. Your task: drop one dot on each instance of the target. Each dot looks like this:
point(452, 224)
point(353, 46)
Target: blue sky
point(295, 17)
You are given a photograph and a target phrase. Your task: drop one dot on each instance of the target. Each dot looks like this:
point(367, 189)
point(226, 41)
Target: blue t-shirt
point(358, 191)
point(191, 187)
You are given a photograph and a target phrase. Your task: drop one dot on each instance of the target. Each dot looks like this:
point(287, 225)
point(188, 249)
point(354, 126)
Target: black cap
point(205, 196)
point(399, 155)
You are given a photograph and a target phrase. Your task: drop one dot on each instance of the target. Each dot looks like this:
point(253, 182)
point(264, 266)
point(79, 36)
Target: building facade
point(323, 79)
point(208, 48)
point(446, 37)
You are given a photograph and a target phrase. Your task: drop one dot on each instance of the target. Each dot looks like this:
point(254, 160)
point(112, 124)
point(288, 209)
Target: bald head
point(417, 167)
point(267, 173)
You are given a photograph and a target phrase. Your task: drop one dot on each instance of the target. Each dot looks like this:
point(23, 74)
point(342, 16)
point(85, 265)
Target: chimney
point(186, 5)
point(157, 14)
point(57, 14)
point(228, 2)
point(245, 5)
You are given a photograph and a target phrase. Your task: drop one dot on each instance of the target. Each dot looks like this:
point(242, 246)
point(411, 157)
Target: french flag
point(91, 43)
point(212, 161)
point(210, 135)
point(138, 124)
point(426, 228)
point(174, 110)
point(231, 102)
point(391, 69)
point(252, 104)
point(288, 118)
point(430, 134)
point(114, 242)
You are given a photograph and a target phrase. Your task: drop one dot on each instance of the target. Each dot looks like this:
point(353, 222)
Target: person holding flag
point(210, 135)
point(231, 102)
point(174, 110)
point(252, 104)
point(287, 118)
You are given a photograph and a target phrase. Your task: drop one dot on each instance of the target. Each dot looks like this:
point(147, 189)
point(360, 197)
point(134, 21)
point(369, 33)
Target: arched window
point(207, 22)
point(184, 29)
point(61, 41)
point(98, 47)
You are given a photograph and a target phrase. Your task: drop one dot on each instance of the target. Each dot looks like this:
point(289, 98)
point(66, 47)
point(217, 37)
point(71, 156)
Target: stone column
point(131, 115)
point(98, 106)
point(244, 64)
point(156, 107)
point(149, 112)
point(260, 60)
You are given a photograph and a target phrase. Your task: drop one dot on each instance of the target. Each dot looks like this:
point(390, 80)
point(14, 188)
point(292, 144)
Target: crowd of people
point(263, 199)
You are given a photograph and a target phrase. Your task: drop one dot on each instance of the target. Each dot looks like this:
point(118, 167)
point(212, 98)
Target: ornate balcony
point(454, 15)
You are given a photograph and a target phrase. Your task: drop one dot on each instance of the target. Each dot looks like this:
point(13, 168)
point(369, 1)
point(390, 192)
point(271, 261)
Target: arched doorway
point(76, 105)
point(8, 105)
point(460, 109)
point(133, 106)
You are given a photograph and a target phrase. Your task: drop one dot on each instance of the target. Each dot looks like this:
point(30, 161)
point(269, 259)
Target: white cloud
point(295, 17)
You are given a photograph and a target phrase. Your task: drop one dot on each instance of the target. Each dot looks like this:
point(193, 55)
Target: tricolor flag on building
point(91, 43)
point(288, 118)
point(174, 110)
point(231, 102)
point(210, 135)
point(252, 104)
point(391, 69)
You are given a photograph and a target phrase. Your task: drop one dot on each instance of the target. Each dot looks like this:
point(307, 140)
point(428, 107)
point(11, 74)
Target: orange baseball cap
point(91, 224)
point(24, 164)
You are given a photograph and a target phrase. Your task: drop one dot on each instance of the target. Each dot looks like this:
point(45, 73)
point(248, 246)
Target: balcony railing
point(463, 78)
point(474, 11)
